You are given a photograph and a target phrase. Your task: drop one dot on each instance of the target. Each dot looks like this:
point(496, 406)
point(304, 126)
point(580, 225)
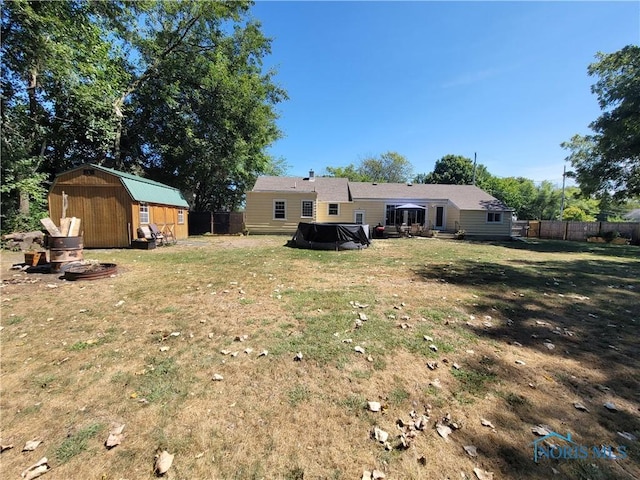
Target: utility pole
point(474, 168)
point(564, 176)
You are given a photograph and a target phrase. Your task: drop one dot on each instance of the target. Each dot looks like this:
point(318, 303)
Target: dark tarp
point(331, 236)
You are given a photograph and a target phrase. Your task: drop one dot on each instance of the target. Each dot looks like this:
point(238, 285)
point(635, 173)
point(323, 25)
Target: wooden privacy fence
point(576, 231)
point(216, 222)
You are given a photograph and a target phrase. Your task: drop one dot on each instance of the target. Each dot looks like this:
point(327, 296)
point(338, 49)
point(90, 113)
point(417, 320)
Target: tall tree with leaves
point(174, 90)
point(57, 74)
point(390, 167)
point(609, 159)
point(455, 170)
point(202, 117)
point(517, 192)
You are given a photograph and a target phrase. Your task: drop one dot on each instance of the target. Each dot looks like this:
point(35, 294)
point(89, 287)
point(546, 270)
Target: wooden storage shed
point(112, 205)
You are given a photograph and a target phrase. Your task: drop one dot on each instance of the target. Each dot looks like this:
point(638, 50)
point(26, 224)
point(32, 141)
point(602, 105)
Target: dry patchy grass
point(80, 356)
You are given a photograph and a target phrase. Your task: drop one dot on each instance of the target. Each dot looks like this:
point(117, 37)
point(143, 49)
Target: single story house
point(112, 205)
point(278, 204)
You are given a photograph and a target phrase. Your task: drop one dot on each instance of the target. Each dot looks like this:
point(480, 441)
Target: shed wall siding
point(109, 216)
point(102, 208)
point(165, 217)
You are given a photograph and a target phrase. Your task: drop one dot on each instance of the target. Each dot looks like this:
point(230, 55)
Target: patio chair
point(144, 232)
point(157, 234)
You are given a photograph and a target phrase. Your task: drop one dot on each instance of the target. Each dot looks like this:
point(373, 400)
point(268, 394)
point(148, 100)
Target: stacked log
point(24, 241)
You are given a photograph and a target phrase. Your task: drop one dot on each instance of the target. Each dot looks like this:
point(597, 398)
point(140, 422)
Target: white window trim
point(302, 215)
point(273, 211)
point(144, 209)
point(181, 216)
point(359, 212)
point(493, 221)
point(329, 208)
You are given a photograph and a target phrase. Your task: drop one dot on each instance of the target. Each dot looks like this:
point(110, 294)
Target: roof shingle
point(327, 188)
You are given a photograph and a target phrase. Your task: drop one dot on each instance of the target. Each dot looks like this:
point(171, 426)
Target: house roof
point(328, 189)
point(144, 190)
point(465, 197)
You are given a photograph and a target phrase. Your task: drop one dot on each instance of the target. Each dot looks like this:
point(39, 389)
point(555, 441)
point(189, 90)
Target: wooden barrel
point(64, 250)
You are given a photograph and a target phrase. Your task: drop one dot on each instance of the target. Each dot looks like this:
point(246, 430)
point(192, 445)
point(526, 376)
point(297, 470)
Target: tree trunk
point(119, 116)
point(24, 203)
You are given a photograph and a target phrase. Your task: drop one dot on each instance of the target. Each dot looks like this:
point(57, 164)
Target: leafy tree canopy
point(390, 167)
point(455, 170)
point(609, 159)
point(171, 90)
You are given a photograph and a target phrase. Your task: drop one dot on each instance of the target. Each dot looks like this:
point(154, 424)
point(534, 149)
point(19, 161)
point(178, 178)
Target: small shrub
point(610, 235)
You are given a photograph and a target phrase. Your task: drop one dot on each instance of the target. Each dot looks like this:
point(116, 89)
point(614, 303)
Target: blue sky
point(506, 80)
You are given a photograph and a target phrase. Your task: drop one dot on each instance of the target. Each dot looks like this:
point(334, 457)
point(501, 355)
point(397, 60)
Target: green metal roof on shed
point(145, 190)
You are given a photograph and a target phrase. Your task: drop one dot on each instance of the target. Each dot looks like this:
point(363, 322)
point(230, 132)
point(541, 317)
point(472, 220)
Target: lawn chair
point(144, 232)
point(157, 234)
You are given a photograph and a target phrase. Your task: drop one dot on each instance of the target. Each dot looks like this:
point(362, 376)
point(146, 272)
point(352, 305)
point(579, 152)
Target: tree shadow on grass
point(584, 311)
point(559, 246)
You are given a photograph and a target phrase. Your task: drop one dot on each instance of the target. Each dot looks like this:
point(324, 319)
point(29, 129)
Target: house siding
point(259, 211)
point(345, 213)
point(465, 206)
point(475, 224)
point(374, 211)
point(452, 220)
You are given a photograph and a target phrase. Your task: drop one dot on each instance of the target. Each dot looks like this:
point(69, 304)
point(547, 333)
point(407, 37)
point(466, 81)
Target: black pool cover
point(331, 236)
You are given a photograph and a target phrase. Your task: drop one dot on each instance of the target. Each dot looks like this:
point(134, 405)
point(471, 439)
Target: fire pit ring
point(92, 271)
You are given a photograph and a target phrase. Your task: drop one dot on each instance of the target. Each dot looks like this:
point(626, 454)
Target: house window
point(307, 208)
point(279, 210)
point(494, 217)
point(144, 213)
point(180, 216)
point(390, 218)
point(333, 209)
point(358, 217)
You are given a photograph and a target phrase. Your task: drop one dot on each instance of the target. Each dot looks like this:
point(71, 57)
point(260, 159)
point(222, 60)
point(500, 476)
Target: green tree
point(546, 203)
point(204, 116)
point(518, 193)
point(390, 167)
point(171, 90)
point(609, 160)
point(350, 171)
point(589, 205)
point(455, 170)
point(57, 73)
point(576, 214)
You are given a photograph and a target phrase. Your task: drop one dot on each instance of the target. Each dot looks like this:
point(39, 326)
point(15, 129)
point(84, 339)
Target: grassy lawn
point(514, 333)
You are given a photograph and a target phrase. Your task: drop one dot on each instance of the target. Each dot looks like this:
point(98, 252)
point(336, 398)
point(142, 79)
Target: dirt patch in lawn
point(517, 335)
